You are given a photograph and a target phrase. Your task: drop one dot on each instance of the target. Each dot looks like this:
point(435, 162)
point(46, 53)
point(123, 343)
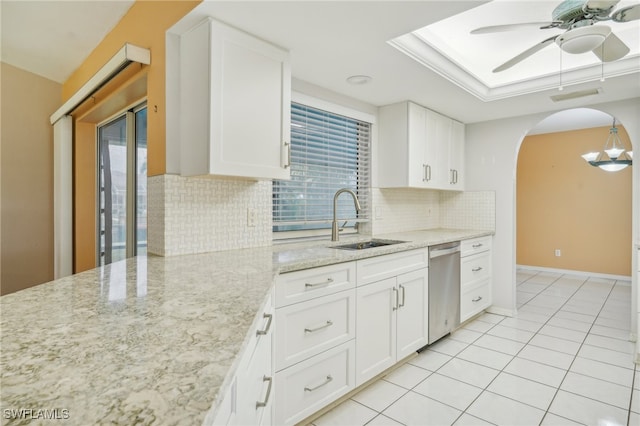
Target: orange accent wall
point(564, 203)
point(144, 25)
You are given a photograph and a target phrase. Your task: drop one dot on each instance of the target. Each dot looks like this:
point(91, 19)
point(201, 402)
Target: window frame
point(333, 108)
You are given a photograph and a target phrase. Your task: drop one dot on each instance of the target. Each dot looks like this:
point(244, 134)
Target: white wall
point(491, 158)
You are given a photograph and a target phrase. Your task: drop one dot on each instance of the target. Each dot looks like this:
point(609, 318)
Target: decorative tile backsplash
point(405, 209)
point(198, 215)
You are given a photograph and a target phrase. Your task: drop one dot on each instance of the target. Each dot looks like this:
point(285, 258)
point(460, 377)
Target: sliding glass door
point(122, 187)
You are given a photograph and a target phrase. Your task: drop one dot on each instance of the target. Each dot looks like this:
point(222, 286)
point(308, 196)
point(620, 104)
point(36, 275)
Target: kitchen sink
point(362, 245)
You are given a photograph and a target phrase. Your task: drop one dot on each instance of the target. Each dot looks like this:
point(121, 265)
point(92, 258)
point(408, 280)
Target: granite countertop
point(149, 340)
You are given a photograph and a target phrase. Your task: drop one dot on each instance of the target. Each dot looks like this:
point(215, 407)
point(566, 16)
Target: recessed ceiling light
point(358, 80)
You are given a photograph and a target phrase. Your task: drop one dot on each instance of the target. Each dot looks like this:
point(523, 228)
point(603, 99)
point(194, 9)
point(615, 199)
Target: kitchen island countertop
point(150, 340)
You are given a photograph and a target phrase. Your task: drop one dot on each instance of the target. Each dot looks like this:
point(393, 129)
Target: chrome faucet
point(335, 231)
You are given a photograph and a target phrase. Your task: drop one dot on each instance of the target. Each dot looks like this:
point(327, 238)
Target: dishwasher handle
point(444, 250)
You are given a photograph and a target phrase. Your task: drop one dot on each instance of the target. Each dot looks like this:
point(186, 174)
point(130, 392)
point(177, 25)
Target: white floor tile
point(468, 372)
point(486, 357)
point(589, 319)
point(549, 302)
point(571, 324)
point(499, 344)
point(469, 420)
point(613, 323)
point(536, 309)
point(610, 343)
point(535, 371)
point(553, 420)
point(491, 318)
point(635, 401)
point(615, 333)
point(563, 333)
point(430, 360)
point(479, 326)
point(555, 344)
point(415, 409)
point(382, 420)
point(533, 316)
point(597, 389)
point(511, 333)
point(529, 287)
point(448, 346)
point(606, 355)
point(603, 371)
point(407, 376)
point(379, 395)
point(546, 356)
point(521, 324)
point(523, 390)
point(448, 391)
point(347, 413)
point(634, 419)
point(504, 411)
point(586, 411)
point(636, 382)
point(464, 335)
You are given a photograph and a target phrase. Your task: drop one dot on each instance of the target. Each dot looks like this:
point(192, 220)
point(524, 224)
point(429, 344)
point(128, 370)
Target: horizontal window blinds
point(328, 152)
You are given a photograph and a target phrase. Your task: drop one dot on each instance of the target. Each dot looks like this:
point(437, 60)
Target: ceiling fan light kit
point(583, 32)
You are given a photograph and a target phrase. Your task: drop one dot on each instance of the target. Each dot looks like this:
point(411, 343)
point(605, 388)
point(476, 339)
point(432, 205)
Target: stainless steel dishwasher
point(444, 289)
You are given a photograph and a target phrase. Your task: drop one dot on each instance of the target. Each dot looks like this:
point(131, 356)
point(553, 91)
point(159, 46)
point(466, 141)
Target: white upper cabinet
point(419, 148)
point(235, 102)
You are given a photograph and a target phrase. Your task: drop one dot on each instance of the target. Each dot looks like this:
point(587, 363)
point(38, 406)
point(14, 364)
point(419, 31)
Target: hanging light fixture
point(614, 157)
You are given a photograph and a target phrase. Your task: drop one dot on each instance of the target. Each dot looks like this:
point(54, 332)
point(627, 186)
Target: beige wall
point(563, 203)
point(26, 176)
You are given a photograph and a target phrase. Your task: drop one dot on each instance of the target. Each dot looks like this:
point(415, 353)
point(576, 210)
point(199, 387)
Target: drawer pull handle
point(478, 269)
point(326, 382)
point(477, 245)
point(266, 397)
point(403, 292)
point(477, 299)
point(328, 281)
point(266, 329)
point(329, 323)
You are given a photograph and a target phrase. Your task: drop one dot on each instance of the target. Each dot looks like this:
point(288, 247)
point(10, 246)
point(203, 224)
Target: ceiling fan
point(584, 32)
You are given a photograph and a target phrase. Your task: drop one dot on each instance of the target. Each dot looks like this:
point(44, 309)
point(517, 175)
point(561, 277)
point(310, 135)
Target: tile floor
point(564, 360)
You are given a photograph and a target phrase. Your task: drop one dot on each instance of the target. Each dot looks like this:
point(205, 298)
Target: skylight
point(448, 48)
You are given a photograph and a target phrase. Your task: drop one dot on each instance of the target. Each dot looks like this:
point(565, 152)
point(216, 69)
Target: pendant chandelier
point(613, 157)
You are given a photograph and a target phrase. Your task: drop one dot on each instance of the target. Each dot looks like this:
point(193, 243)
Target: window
point(328, 152)
point(122, 187)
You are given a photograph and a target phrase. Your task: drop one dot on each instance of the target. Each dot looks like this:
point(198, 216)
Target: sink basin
point(362, 245)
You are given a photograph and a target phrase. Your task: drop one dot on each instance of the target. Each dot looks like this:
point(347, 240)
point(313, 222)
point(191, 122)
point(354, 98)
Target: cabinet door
point(456, 156)
point(251, 103)
point(417, 137)
point(438, 133)
point(375, 328)
point(413, 314)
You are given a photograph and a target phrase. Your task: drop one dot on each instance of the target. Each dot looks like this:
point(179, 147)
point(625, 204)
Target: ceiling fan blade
point(600, 7)
point(611, 49)
point(627, 14)
point(524, 55)
point(513, 27)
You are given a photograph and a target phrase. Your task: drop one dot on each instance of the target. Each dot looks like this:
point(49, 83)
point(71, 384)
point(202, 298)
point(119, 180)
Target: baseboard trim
point(502, 311)
point(578, 273)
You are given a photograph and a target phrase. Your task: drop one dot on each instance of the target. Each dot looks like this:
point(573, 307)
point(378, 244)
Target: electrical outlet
point(251, 217)
point(558, 253)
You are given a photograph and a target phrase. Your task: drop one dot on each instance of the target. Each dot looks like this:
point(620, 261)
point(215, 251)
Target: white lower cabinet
point(310, 385)
point(391, 322)
point(475, 277)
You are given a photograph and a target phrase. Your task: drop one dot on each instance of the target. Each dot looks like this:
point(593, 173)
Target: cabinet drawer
point(474, 299)
point(475, 245)
point(308, 328)
point(298, 286)
point(474, 268)
point(379, 268)
point(310, 385)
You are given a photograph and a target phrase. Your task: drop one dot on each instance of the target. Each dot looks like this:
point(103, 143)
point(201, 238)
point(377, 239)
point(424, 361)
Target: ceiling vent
point(575, 95)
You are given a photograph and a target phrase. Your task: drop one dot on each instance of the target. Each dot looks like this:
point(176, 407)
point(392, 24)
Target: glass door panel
point(141, 181)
